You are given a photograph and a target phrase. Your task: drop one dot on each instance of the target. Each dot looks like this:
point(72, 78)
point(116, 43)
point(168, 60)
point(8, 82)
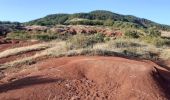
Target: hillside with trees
point(98, 17)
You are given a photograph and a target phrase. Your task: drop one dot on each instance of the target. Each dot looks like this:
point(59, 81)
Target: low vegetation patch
point(157, 41)
point(117, 47)
point(83, 41)
point(41, 36)
point(145, 44)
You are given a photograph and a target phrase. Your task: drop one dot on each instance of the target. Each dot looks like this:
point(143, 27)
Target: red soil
point(88, 78)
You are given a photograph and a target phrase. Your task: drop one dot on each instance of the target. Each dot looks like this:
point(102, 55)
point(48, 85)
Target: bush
point(19, 35)
point(107, 38)
point(132, 34)
point(157, 41)
point(97, 38)
point(153, 33)
point(125, 43)
point(78, 41)
point(82, 41)
point(24, 35)
point(131, 52)
point(45, 37)
point(84, 22)
point(108, 22)
point(153, 37)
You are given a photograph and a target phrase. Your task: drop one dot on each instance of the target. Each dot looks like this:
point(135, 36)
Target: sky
point(26, 10)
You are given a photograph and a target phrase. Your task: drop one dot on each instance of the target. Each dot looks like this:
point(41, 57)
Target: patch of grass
point(45, 37)
point(19, 35)
point(83, 41)
point(56, 48)
point(42, 36)
point(165, 54)
point(20, 50)
point(78, 41)
point(157, 41)
point(125, 43)
point(119, 47)
point(132, 34)
point(130, 48)
point(27, 60)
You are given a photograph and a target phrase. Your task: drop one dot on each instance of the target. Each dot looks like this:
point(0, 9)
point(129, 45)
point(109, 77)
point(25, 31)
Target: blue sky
point(25, 10)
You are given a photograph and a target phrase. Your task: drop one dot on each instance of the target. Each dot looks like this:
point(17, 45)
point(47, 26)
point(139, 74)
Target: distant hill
point(98, 17)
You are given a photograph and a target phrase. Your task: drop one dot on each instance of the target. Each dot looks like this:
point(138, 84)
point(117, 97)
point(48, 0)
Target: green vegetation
point(50, 20)
point(132, 34)
point(19, 35)
point(157, 41)
point(92, 45)
point(6, 27)
point(99, 17)
point(78, 41)
point(150, 36)
point(84, 22)
point(84, 41)
point(24, 35)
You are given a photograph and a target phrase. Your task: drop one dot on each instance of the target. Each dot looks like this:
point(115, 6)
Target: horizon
point(27, 10)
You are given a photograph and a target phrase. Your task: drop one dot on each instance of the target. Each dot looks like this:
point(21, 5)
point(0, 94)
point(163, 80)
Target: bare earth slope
point(88, 78)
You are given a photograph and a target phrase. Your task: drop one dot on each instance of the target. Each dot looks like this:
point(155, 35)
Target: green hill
point(98, 17)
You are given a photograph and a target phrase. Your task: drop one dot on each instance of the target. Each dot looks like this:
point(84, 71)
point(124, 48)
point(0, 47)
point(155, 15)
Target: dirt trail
point(88, 78)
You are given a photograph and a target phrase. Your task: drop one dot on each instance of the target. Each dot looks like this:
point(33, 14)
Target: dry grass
point(54, 48)
point(20, 50)
point(165, 54)
point(118, 47)
point(135, 48)
point(165, 34)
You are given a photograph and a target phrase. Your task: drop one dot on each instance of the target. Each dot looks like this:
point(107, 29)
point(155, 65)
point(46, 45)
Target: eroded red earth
point(88, 78)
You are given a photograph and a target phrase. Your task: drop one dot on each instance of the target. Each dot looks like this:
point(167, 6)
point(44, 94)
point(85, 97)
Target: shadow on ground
point(25, 82)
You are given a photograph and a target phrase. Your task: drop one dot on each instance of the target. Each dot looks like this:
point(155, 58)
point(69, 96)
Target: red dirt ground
point(88, 78)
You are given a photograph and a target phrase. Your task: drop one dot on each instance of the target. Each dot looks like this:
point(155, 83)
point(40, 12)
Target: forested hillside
point(98, 17)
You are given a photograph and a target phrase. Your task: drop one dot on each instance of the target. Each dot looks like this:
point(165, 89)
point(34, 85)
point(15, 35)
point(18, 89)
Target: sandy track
point(88, 78)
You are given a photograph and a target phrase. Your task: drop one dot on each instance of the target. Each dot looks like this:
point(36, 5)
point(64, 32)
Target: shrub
point(132, 34)
point(45, 37)
point(157, 41)
point(153, 33)
point(19, 35)
point(84, 22)
point(107, 38)
point(125, 43)
point(82, 41)
point(108, 22)
point(131, 52)
point(97, 38)
point(78, 41)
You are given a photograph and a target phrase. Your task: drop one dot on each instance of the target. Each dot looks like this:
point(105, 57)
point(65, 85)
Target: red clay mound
point(88, 78)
